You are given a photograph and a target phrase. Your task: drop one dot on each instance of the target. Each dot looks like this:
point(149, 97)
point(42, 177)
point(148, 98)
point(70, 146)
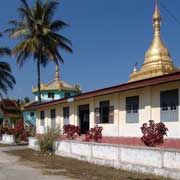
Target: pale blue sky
point(108, 38)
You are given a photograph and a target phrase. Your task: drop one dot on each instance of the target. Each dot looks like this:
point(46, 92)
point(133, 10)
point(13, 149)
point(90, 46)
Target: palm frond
point(61, 38)
point(25, 4)
point(38, 35)
point(6, 78)
point(57, 25)
point(4, 51)
point(19, 33)
point(17, 23)
point(50, 8)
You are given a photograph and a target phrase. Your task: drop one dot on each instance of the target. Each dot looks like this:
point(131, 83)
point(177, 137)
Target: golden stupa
point(157, 59)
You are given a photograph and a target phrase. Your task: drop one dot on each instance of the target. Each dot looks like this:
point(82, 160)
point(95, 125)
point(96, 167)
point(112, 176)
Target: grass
point(56, 165)
point(5, 145)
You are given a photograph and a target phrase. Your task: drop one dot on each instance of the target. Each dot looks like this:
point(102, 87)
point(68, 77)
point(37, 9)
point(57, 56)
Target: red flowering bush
point(20, 132)
point(153, 134)
point(71, 131)
point(6, 130)
point(94, 134)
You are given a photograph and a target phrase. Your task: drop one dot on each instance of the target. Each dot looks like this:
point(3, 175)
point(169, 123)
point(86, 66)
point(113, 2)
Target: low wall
point(7, 139)
point(162, 162)
point(33, 143)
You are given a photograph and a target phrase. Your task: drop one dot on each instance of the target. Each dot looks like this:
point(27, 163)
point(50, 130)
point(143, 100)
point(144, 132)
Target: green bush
point(46, 141)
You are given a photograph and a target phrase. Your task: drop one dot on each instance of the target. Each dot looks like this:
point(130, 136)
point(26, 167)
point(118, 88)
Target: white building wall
point(173, 127)
point(109, 129)
point(149, 103)
point(133, 129)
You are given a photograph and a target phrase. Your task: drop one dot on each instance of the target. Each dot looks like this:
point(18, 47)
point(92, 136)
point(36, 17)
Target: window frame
point(104, 110)
point(32, 114)
point(51, 95)
point(53, 117)
point(66, 114)
point(132, 109)
point(67, 94)
point(42, 123)
point(169, 105)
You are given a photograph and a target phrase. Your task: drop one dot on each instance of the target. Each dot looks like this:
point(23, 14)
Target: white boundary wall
point(33, 143)
point(7, 139)
point(161, 162)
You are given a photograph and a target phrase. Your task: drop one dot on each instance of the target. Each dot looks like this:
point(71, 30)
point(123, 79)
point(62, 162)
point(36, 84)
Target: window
point(53, 118)
point(1, 121)
point(51, 95)
point(67, 94)
point(42, 118)
point(66, 115)
point(32, 114)
point(104, 112)
point(132, 109)
point(169, 105)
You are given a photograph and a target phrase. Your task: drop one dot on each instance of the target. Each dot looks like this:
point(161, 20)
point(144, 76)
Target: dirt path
point(11, 169)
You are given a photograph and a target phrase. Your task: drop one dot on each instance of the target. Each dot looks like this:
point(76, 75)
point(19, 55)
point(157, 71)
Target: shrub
point(94, 134)
point(46, 141)
point(71, 131)
point(19, 131)
point(31, 130)
point(153, 134)
point(6, 129)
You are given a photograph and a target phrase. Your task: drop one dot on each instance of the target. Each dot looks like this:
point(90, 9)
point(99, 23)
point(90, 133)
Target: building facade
point(54, 90)
point(152, 93)
point(10, 112)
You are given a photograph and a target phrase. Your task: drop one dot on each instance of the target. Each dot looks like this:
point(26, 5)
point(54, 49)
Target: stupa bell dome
point(157, 58)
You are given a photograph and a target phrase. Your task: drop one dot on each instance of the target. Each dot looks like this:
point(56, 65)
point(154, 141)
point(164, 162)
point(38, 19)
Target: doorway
point(84, 118)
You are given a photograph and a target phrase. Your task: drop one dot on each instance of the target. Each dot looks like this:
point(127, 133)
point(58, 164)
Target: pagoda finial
point(157, 19)
point(57, 72)
point(157, 59)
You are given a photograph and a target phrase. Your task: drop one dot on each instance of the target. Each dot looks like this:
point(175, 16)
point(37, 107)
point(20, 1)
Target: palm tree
point(6, 78)
point(38, 35)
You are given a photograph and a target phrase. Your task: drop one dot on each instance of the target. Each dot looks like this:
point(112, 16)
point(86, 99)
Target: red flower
point(154, 133)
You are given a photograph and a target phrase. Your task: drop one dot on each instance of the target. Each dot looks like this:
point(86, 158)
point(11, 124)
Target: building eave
point(114, 89)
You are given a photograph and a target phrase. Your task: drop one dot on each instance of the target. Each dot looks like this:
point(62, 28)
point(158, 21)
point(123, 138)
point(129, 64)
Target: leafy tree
point(38, 35)
point(7, 80)
point(26, 99)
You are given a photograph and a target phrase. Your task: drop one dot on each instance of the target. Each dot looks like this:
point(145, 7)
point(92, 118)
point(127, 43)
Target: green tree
point(7, 80)
point(26, 99)
point(38, 35)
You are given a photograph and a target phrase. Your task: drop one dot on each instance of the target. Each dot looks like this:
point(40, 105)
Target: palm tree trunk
point(39, 80)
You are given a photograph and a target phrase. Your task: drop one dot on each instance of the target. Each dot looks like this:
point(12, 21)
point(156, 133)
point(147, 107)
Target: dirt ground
point(55, 166)
point(12, 169)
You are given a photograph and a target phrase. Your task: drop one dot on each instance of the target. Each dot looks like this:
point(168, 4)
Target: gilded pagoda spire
point(157, 59)
point(57, 84)
point(157, 51)
point(157, 20)
point(57, 73)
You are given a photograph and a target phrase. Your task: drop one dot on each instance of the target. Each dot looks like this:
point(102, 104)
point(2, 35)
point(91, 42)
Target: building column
point(92, 114)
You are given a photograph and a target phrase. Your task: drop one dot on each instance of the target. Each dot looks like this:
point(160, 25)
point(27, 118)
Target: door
point(84, 118)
